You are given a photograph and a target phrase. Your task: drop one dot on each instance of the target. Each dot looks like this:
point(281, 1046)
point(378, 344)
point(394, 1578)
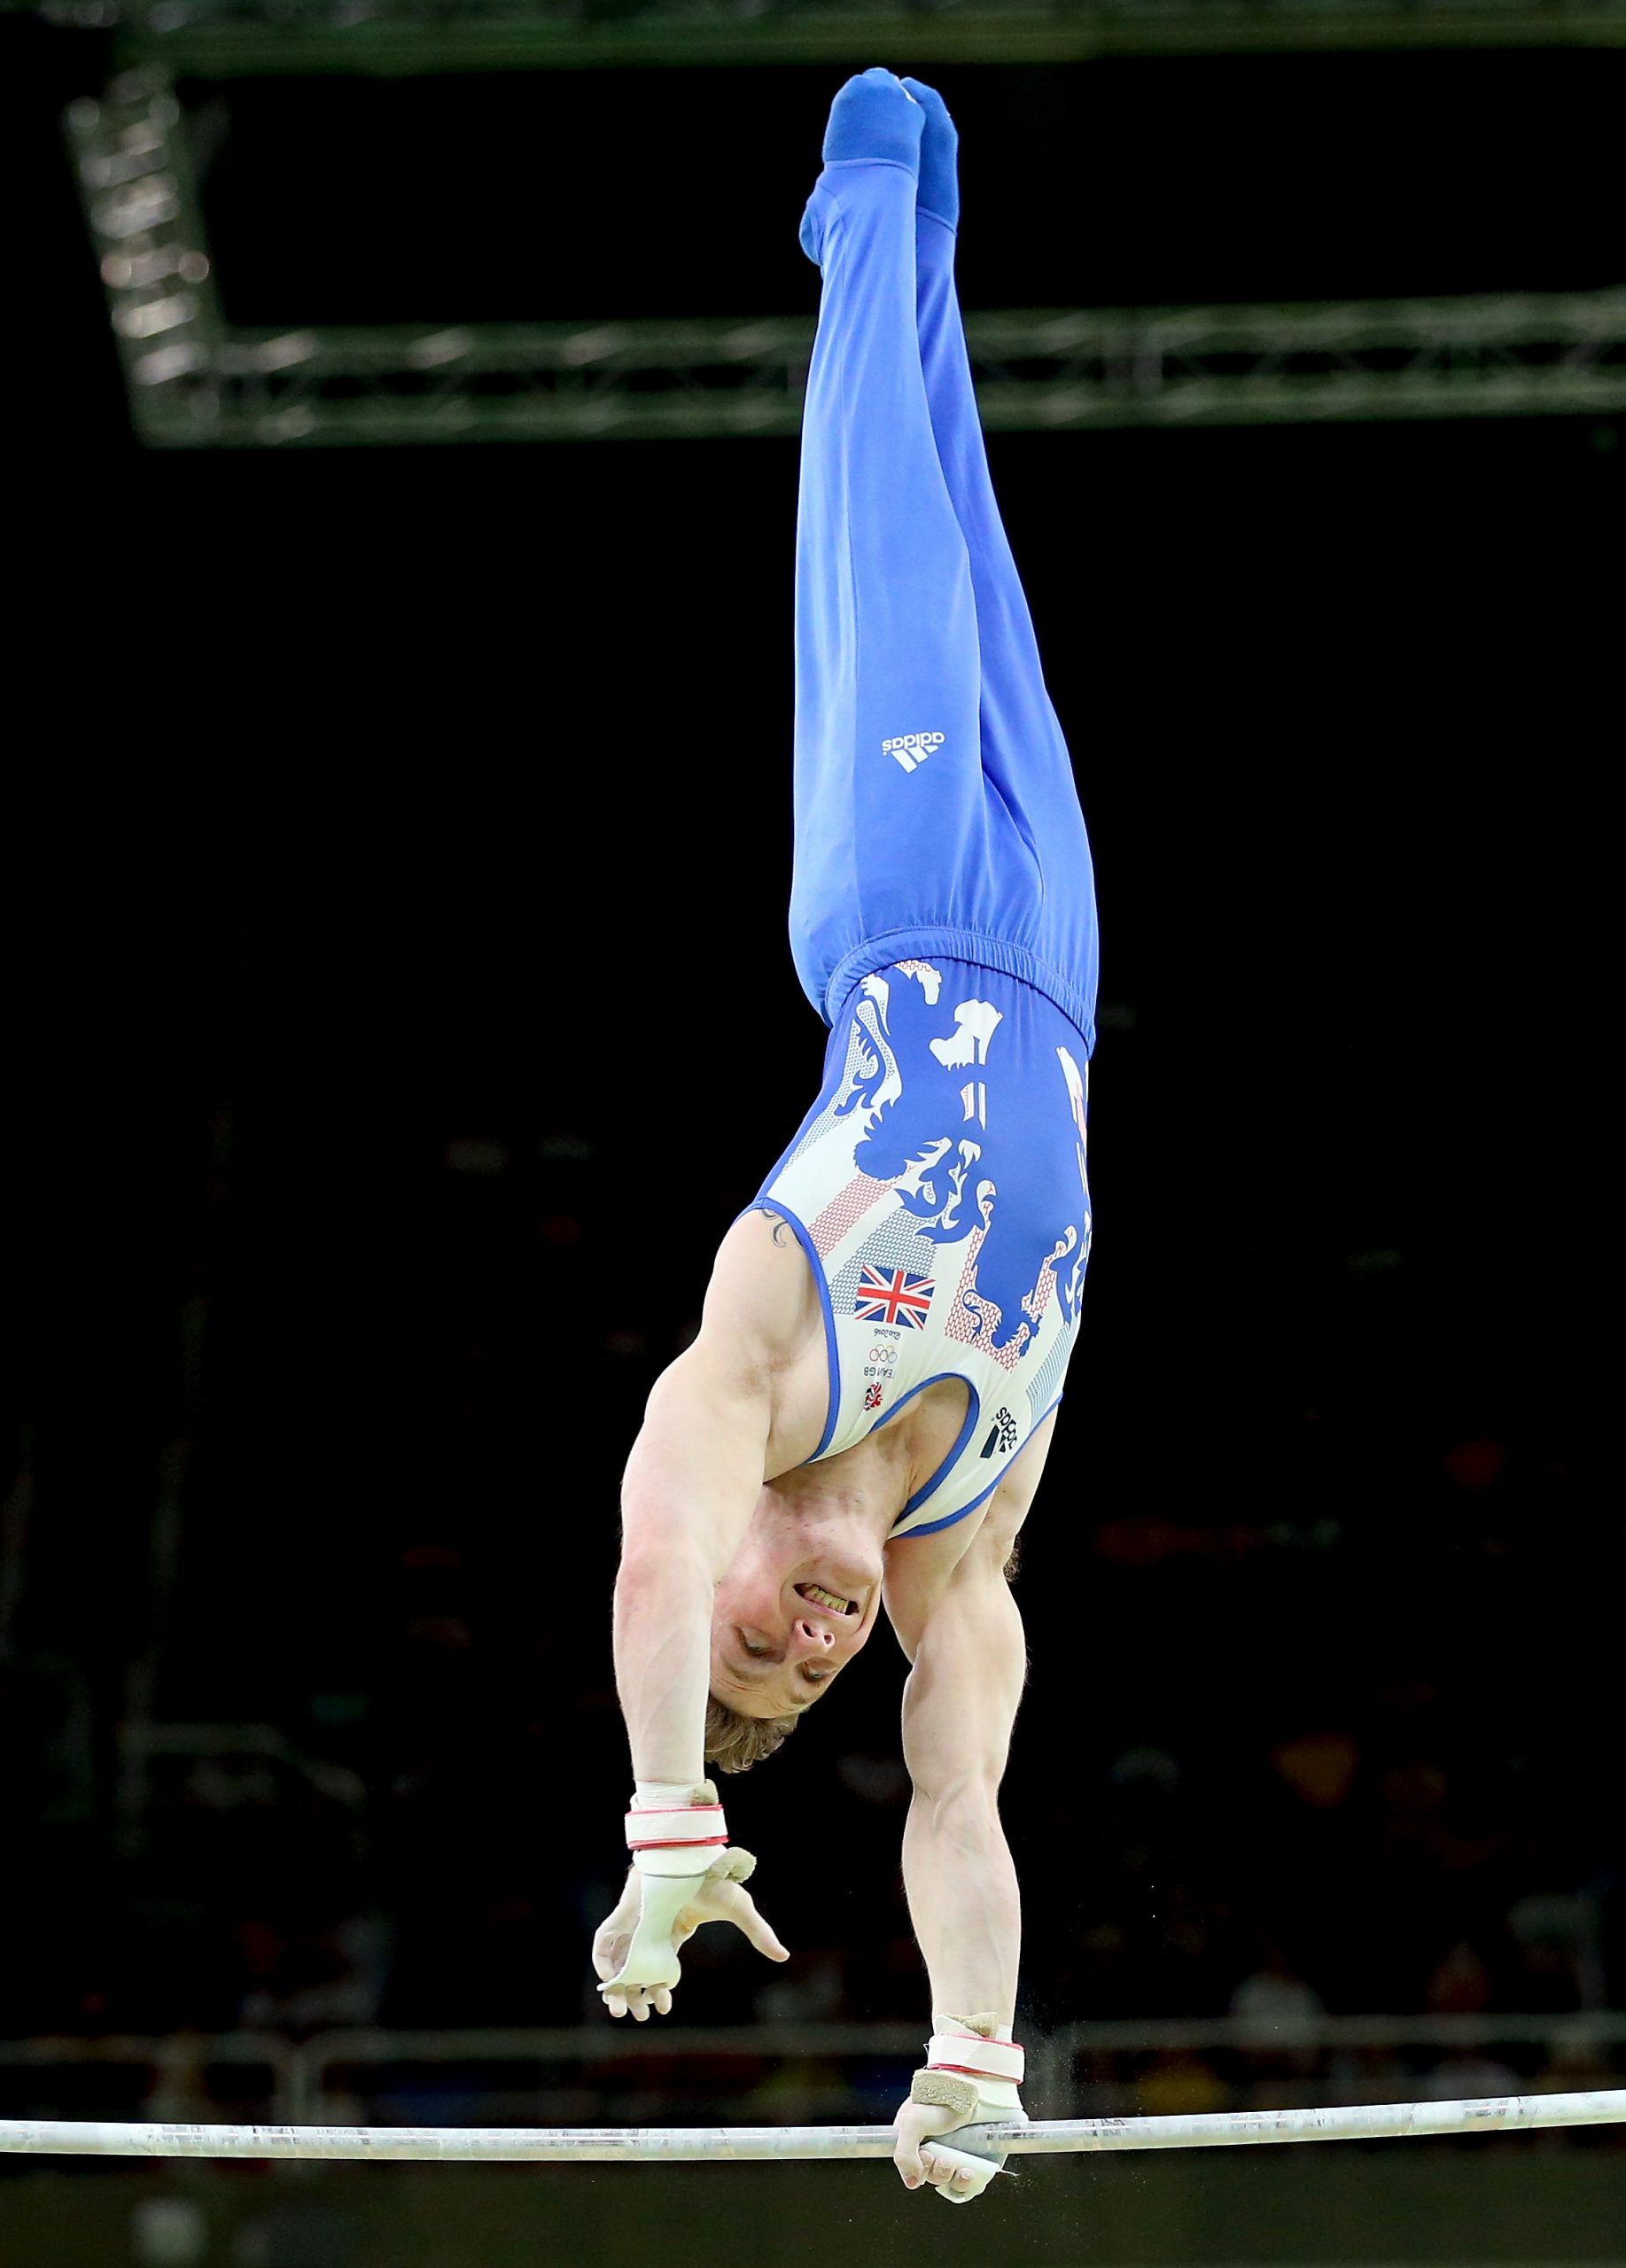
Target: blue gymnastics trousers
point(936, 811)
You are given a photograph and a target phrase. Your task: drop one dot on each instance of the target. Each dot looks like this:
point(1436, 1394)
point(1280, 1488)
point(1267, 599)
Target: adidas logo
point(912, 748)
point(1002, 1435)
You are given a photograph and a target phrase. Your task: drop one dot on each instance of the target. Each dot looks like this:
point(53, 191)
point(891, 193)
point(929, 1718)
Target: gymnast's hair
point(733, 1743)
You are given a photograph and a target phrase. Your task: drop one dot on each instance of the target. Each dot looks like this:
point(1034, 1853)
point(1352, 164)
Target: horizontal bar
point(610, 2144)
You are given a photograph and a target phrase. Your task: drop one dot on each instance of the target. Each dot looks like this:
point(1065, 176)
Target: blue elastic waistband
point(961, 944)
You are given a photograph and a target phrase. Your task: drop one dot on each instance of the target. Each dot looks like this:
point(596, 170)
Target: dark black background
point(372, 801)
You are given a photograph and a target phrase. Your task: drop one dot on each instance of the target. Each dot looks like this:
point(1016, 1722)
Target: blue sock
point(872, 117)
point(939, 175)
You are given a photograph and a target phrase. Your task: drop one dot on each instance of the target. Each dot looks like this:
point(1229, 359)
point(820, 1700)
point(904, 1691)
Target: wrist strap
point(677, 1839)
point(666, 1830)
point(968, 2057)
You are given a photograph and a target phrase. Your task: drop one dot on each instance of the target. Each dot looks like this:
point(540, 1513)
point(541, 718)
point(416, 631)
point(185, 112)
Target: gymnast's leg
point(891, 808)
point(1025, 755)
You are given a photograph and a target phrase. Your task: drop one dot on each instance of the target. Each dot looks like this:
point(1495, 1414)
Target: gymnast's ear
point(733, 1743)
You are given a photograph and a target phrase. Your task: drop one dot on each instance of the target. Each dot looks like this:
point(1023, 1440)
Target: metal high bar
point(614, 2145)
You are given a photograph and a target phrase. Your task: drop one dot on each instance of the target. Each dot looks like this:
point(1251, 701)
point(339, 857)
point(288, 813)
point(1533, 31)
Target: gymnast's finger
point(757, 1927)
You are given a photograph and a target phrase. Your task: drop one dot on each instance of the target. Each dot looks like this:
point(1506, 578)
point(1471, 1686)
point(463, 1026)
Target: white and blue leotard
point(938, 1188)
point(943, 910)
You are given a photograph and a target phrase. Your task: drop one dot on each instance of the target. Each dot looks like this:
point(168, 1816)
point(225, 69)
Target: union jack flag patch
point(890, 1295)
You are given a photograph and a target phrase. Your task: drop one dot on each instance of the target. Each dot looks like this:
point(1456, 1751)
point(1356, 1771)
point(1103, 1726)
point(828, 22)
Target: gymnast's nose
point(814, 1636)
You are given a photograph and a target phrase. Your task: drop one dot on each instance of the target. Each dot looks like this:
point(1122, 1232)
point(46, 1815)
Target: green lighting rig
point(195, 381)
point(217, 38)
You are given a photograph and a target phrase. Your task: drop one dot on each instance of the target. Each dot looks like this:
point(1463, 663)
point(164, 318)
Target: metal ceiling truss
point(219, 38)
point(195, 381)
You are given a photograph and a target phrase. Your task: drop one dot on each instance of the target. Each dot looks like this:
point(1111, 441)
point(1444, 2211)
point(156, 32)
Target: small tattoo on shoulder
point(780, 1223)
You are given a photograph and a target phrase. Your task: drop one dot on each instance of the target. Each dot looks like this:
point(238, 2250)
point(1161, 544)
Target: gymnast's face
point(793, 1608)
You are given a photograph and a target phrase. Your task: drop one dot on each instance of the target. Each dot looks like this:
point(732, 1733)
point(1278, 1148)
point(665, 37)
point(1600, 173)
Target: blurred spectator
point(1460, 1982)
point(181, 2094)
point(1556, 1959)
point(1176, 2084)
point(1578, 2062)
point(326, 1977)
point(1319, 1768)
point(1458, 2078)
point(809, 1988)
point(1275, 2010)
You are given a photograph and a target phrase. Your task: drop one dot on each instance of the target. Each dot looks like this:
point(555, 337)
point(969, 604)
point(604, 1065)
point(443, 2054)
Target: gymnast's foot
point(940, 176)
point(874, 118)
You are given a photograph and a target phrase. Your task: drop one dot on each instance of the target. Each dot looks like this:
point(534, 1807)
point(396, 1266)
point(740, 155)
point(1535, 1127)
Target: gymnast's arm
point(690, 1486)
point(694, 1472)
point(969, 1663)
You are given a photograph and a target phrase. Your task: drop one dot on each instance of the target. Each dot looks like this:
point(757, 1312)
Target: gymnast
point(864, 1417)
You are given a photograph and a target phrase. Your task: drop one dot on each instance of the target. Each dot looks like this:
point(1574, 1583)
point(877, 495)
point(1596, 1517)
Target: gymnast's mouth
point(817, 1596)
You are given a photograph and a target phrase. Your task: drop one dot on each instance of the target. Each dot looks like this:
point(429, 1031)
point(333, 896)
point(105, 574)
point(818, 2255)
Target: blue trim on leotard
point(974, 1405)
point(948, 1519)
point(932, 1528)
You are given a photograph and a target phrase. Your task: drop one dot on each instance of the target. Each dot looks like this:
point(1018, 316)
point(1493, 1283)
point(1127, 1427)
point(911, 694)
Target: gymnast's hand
point(635, 1952)
point(921, 2158)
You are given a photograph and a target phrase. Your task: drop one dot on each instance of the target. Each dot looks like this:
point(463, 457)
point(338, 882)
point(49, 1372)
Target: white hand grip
point(651, 1957)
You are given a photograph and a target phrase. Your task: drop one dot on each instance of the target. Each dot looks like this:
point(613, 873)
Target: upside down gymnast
point(864, 1417)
